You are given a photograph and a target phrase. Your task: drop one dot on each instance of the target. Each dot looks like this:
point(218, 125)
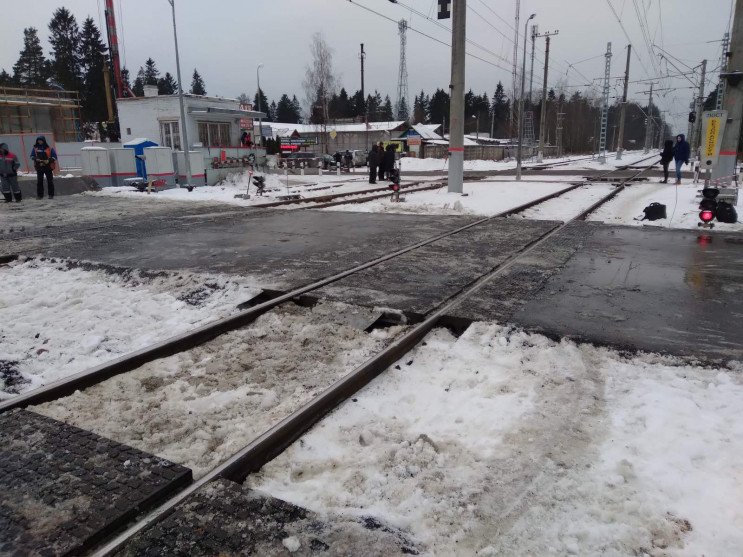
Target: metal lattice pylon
point(605, 106)
point(402, 78)
point(723, 69)
point(528, 128)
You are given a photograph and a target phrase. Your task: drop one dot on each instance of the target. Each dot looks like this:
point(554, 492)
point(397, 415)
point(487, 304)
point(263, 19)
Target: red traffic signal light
point(706, 215)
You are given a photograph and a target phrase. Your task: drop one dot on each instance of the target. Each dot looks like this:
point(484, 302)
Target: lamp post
point(184, 124)
point(521, 104)
point(476, 117)
point(260, 120)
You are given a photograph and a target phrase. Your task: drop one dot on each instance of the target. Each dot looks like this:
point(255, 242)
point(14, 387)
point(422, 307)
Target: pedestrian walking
point(380, 154)
point(373, 162)
point(665, 159)
point(348, 158)
point(45, 161)
point(389, 160)
point(9, 174)
point(681, 152)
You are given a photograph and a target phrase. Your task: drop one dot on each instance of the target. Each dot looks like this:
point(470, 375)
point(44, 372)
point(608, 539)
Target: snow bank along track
point(274, 440)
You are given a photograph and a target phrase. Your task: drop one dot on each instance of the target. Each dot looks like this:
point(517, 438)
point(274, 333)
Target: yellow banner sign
point(710, 141)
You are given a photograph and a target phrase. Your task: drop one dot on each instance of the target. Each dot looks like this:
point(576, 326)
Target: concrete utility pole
point(623, 112)
point(514, 71)
point(184, 124)
point(456, 114)
point(260, 120)
point(723, 69)
point(519, 153)
point(543, 117)
point(697, 134)
point(363, 98)
point(733, 102)
point(649, 122)
point(534, 35)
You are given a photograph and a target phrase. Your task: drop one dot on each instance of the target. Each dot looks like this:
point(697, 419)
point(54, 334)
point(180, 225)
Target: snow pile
point(200, 407)
point(507, 443)
point(682, 206)
point(577, 162)
point(60, 317)
point(483, 198)
point(277, 186)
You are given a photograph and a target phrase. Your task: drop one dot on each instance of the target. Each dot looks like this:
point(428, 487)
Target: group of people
point(381, 162)
point(44, 158)
point(343, 159)
point(678, 152)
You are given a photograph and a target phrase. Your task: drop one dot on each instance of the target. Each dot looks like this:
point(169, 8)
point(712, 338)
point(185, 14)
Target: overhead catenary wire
point(417, 31)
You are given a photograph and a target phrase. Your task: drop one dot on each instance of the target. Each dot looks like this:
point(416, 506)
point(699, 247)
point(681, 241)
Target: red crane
point(113, 44)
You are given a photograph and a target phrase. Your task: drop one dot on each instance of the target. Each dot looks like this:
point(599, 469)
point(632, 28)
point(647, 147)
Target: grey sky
point(226, 39)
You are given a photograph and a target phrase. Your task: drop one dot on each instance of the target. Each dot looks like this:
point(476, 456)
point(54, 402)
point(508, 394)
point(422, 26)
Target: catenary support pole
point(543, 116)
point(649, 122)
point(456, 114)
point(733, 101)
point(697, 134)
point(362, 56)
point(623, 110)
point(519, 147)
point(534, 33)
point(184, 124)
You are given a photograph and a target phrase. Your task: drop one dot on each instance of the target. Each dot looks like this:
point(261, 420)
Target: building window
point(214, 134)
point(170, 135)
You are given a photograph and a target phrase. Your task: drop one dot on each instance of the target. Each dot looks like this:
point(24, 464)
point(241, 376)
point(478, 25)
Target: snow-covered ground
point(276, 186)
point(483, 198)
point(567, 205)
point(583, 162)
point(199, 407)
point(507, 443)
point(60, 317)
point(682, 206)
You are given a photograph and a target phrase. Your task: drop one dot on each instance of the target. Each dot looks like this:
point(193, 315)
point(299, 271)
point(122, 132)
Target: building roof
point(427, 131)
point(284, 130)
point(175, 95)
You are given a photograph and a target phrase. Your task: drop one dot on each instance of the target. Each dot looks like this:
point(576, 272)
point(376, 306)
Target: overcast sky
point(227, 39)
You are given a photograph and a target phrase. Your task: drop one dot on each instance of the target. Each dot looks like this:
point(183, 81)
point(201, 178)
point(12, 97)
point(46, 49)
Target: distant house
point(212, 122)
point(333, 137)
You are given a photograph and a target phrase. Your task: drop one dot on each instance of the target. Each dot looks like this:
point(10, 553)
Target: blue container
point(139, 146)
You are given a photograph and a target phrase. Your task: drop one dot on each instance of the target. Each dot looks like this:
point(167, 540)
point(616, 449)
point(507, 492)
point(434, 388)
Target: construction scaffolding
point(40, 111)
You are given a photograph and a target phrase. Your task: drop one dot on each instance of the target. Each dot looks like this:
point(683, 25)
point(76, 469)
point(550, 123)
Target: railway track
point(275, 439)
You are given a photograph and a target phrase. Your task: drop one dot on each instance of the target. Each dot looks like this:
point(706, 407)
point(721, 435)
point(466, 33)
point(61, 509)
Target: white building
point(213, 122)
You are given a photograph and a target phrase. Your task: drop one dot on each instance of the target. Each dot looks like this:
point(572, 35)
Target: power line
point(414, 30)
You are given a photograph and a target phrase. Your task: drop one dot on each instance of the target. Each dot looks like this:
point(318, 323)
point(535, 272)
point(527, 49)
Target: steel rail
point(213, 329)
point(275, 440)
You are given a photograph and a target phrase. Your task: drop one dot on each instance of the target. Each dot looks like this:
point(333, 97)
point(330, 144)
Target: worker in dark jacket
point(681, 153)
point(45, 160)
point(380, 154)
point(665, 159)
point(389, 160)
point(374, 160)
point(9, 174)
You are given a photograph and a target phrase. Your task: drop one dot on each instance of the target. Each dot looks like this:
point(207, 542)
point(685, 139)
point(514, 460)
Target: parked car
point(359, 157)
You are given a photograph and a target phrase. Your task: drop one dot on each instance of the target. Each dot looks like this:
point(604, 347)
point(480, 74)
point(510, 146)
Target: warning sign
point(713, 127)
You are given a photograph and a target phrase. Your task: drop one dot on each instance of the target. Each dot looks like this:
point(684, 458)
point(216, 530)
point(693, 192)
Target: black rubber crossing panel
point(226, 518)
point(64, 489)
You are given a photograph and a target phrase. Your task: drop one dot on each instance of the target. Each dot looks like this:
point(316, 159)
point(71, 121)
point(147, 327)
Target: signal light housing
point(706, 215)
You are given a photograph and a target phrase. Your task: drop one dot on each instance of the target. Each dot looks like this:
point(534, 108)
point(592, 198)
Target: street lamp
point(184, 124)
point(260, 120)
point(476, 118)
point(521, 104)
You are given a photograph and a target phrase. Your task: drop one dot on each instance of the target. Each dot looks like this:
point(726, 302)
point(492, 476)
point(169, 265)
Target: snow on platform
point(237, 184)
point(483, 198)
point(504, 443)
point(577, 162)
point(682, 206)
point(60, 316)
